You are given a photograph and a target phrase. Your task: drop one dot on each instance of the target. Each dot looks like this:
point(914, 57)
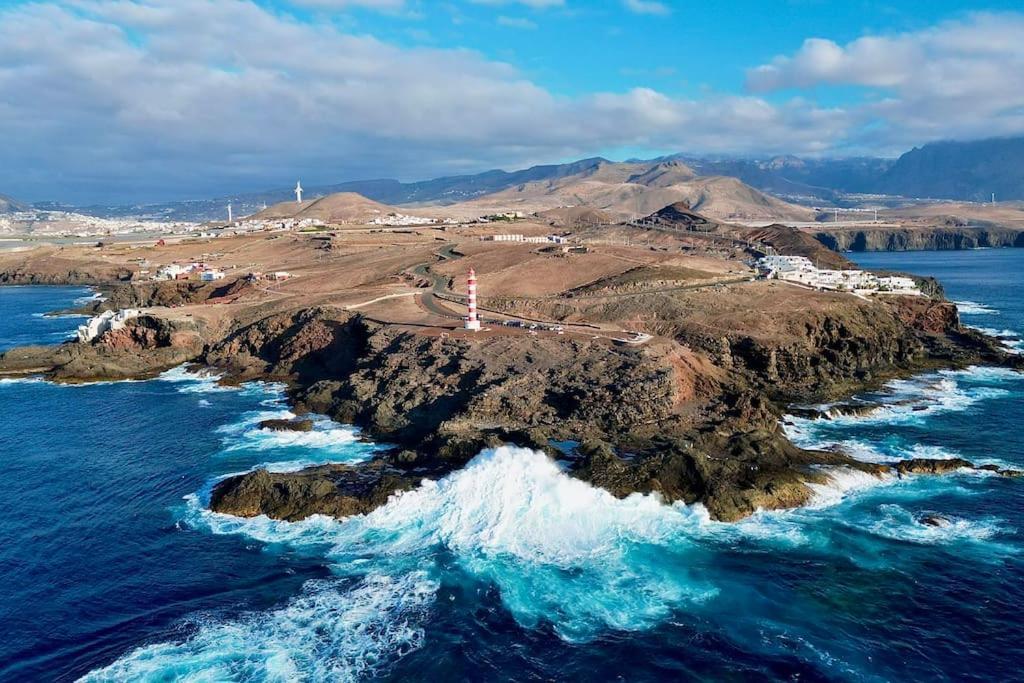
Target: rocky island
point(649, 359)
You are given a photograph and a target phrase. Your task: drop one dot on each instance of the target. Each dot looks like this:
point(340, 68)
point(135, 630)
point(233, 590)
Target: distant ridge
point(943, 170)
point(10, 205)
point(970, 171)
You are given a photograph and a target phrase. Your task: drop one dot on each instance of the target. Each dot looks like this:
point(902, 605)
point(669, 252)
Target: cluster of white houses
point(105, 322)
point(800, 270)
point(177, 271)
point(544, 239)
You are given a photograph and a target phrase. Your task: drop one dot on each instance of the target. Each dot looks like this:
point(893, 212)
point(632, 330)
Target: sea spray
point(336, 630)
point(975, 308)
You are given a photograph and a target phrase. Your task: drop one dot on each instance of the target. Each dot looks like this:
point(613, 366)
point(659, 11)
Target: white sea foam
point(327, 442)
point(60, 316)
point(900, 524)
point(90, 298)
point(334, 631)
point(20, 380)
point(558, 550)
point(841, 483)
point(203, 381)
point(1011, 340)
point(975, 308)
point(912, 401)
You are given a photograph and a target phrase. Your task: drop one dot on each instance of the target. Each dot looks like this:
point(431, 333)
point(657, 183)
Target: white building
point(211, 275)
point(777, 264)
point(800, 270)
point(896, 283)
point(105, 322)
point(172, 272)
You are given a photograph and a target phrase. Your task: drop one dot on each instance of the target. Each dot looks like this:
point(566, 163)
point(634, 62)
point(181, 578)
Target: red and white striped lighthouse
point(473, 320)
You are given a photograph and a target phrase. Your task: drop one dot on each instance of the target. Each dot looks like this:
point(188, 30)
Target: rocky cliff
point(920, 239)
point(699, 421)
point(693, 415)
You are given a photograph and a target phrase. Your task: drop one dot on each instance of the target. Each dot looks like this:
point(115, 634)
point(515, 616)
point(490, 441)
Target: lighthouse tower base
point(473, 325)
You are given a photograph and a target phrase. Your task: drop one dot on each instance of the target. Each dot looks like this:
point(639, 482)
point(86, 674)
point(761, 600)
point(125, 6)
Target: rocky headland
point(693, 415)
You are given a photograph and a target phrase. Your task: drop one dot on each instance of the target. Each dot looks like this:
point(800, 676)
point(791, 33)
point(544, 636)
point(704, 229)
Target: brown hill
point(679, 215)
point(343, 207)
point(632, 190)
point(571, 216)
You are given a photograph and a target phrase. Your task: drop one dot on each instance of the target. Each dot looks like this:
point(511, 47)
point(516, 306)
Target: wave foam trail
point(333, 631)
point(900, 524)
point(974, 308)
point(558, 550)
point(202, 382)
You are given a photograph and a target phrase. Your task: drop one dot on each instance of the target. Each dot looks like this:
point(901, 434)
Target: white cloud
point(517, 22)
point(961, 78)
point(202, 96)
point(384, 5)
point(171, 97)
point(647, 7)
point(536, 4)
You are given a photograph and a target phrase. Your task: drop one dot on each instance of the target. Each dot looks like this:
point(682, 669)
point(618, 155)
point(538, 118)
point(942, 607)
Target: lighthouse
point(472, 320)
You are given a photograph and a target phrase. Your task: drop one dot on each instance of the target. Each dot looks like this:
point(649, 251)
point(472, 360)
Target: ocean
point(508, 569)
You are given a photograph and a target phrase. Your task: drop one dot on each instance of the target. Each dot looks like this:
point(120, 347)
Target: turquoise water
point(507, 570)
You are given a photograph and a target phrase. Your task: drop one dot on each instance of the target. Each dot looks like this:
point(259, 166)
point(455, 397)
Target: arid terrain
point(653, 348)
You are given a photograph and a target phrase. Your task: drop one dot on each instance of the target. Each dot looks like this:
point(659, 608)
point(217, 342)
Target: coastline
point(357, 363)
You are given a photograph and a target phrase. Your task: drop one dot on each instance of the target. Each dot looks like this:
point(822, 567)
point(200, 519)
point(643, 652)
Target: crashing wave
point(203, 381)
point(558, 550)
point(335, 630)
point(1011, 340)
point(900, 524)
point(974, 308)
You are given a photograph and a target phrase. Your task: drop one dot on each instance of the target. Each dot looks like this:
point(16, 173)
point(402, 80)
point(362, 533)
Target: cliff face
point(144, 347)
point(692, 415)
point(920, 239)
point(701, 424)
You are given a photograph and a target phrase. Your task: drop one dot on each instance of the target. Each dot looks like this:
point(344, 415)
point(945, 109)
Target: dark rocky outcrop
point(652, 419)
point(144, 347)
point(287, 425)
point(334, 490)
point(693, 415)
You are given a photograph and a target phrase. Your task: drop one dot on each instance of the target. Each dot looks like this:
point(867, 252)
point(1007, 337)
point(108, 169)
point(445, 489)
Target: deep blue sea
point(507, 570)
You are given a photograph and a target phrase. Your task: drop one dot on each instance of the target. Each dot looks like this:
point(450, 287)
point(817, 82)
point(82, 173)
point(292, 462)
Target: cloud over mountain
point(175, 97)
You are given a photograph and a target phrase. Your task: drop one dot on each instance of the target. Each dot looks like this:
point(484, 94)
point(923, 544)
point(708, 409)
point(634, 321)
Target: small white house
point(211, 275)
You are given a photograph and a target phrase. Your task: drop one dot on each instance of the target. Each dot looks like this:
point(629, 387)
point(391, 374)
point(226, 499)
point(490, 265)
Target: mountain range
point(969, 171)
point(9, 205)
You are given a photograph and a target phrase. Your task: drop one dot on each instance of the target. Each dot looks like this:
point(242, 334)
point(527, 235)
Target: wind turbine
point(298, 192)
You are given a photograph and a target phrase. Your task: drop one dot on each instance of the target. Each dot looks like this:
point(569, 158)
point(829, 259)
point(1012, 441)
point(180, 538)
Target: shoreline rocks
point(287, 425)
point(691, 416)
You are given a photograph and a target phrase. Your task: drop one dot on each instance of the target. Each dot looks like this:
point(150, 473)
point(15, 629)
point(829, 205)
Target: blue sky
point(169, 98)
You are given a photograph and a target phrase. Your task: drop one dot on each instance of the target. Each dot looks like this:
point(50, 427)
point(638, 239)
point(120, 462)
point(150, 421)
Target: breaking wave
point(1012, 340)
point(198, 381)
point(558, 551)
point(900, 524)
point(975, 308)
point(911, 401)
point(335, 630)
